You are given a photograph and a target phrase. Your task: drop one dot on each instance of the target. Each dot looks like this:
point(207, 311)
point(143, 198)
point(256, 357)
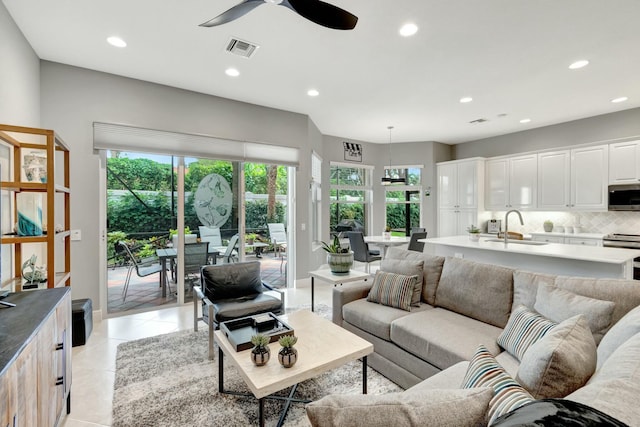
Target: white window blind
point(316, 168)
point(108, 136)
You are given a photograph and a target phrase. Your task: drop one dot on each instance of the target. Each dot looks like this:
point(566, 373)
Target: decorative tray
point(240, 331)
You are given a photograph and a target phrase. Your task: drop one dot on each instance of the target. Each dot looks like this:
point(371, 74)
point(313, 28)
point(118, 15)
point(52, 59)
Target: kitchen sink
point(519, 242)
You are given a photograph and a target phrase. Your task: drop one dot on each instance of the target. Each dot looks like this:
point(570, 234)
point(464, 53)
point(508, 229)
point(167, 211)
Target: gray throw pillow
point(624, 329)
point(523, 329)
point(393, 290)
point(408, 268)
point(559, 305)
point(442, 408)
point(560, 362)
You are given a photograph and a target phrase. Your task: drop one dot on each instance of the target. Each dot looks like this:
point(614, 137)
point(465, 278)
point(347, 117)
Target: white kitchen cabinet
point(460, 185)
point(511, 182)
point(575, 179)
point(569, 239)
point(624, 162)
point(580, 241)
point(546, 238)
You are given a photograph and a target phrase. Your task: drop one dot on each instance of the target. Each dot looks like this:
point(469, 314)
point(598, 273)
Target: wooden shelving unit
point(18, 142)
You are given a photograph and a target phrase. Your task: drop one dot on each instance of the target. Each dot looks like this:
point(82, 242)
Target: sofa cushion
point(525, 287)
point(485, 371)
point(560, 362)
point(235, 308)
point(556, 412)
point(624, 363)
point(446, 378)
point(408, 268)
point(431, 270)
point(375, 318)
point(559, 304)
point(617, 398)
point(443, 337)
point(624, 329)
point(481, 291)
point(393, 290)
point(523, 329)
point(453, 408)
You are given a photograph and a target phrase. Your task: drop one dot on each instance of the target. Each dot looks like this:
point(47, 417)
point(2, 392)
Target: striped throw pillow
point(523, 329)
point(394, 290)
point(485, 371)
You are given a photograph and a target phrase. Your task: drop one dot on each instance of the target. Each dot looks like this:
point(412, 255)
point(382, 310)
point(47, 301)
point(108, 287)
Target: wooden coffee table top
point(322, 346)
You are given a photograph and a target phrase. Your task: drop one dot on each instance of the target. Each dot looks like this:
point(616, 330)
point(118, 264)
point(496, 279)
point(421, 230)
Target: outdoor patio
point(145, 292)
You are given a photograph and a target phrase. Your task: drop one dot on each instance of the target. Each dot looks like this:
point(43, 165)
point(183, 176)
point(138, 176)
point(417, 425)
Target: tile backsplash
point(591, 222)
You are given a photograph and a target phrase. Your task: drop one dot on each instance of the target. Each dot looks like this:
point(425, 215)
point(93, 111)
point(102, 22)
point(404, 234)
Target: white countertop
point(555, 250)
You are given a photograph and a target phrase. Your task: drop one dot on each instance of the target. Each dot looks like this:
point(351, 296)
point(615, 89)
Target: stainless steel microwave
point(624, 197)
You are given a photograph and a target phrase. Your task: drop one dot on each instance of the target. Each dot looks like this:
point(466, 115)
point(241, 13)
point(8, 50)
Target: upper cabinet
point(460, 185)
point(624, 163)
point(573, 179)
point(511, 182)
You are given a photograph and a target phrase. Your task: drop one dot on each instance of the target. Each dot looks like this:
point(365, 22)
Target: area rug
point(168, 381)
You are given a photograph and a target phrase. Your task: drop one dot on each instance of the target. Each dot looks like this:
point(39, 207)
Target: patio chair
point(278, 237)
point(143, 267)
point(414, 245)
point(228, 255)
point(232, 291)
point(361, 251)
point(212, 236)
point(195, 256)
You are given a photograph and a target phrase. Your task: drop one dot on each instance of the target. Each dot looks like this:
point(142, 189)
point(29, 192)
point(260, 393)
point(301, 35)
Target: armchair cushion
point(230, 281)
point(241, 307)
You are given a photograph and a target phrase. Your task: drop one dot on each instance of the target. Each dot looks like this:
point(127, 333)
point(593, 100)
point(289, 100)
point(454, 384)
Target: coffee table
point(335, 278)
point(322, 346)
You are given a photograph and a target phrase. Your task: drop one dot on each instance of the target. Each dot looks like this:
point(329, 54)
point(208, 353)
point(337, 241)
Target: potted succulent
point(288, 355)
point(261, 352)
point(548, 225)
point(339, 259)
point(474, 233)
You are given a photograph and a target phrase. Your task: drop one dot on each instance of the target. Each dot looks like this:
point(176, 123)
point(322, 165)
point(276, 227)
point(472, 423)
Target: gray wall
point(19, 76)
point(73, 98)
point(605, 128)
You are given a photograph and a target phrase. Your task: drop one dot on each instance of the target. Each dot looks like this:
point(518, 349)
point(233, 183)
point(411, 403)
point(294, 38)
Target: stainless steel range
point(627, 241)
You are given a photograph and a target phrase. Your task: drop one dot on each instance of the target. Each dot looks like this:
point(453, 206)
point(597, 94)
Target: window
point(403, 201)
point(350, 197)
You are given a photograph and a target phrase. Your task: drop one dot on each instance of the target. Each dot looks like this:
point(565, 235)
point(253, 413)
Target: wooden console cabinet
point(35, 359)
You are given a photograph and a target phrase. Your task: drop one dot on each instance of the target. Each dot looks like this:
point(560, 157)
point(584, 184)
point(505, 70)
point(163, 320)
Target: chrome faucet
point(506, 223)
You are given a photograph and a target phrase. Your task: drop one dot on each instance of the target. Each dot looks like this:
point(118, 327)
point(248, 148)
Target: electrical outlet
point(303, 226)
point(458, 255)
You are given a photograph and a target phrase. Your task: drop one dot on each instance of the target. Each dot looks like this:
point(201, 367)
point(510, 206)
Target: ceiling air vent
point(478, 121)
point(241, 47)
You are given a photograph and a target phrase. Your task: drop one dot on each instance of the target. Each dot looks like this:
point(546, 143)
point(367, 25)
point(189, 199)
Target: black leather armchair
point(231, 291)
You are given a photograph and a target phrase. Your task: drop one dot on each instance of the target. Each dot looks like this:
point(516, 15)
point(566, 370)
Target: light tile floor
point(94, 363)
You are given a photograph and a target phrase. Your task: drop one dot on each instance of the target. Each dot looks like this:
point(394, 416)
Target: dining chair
point(143, 267)
point(195, 256)
point(418, 230)
point(361, 251)
point(414, 245)
point(212, 236)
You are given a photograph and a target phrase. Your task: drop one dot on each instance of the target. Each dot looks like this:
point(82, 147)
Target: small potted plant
point(387, 232)
point(288, 355)
point(250, 238)
point(261, 352)
point(339, 259)
point(548, 226)
point(474, 233)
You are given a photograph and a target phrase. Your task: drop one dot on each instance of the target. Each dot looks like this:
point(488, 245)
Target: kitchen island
point(552, 258)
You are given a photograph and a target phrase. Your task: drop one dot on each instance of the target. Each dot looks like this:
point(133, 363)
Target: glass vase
point(29, 214)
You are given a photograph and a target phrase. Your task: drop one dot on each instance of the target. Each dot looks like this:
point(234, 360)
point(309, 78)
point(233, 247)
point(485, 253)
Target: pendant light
point(386, 179)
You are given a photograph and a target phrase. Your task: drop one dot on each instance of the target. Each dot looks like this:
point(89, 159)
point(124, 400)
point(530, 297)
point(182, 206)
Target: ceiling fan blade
point(322, 13)
point(234, 13)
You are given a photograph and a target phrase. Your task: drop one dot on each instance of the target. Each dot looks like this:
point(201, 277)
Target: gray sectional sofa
point(464, 304)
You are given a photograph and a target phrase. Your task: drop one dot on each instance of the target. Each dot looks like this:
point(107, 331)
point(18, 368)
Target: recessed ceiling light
point(525, 120)
point(620, 99)
point(232, 72)
point(313, 92)
point(466, 99)
point(116, 41)
point(579, 64)
point(408, 29)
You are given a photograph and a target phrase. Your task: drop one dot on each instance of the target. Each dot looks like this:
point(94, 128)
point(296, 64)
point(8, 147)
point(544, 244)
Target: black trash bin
point(82, 320)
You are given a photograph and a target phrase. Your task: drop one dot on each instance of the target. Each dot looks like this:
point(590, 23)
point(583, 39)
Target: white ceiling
point(511, 56)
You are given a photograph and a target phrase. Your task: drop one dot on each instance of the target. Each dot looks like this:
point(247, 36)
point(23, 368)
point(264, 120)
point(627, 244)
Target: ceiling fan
point(317, 11)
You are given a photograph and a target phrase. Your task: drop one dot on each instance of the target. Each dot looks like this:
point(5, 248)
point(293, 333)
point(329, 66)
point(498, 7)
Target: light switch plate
point(76, 235)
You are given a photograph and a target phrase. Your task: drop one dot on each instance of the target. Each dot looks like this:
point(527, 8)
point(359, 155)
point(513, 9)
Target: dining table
point(385, 242)
point(171, 254)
